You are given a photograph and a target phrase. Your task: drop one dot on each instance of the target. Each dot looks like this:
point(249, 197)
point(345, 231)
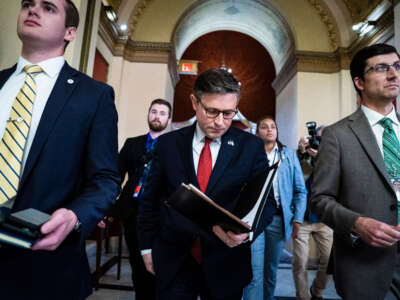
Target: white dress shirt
point(273, 157)
point(198, 144)
point(44, 85)
point(374, 117)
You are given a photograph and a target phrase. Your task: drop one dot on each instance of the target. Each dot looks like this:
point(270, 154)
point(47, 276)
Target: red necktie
point(204, 170)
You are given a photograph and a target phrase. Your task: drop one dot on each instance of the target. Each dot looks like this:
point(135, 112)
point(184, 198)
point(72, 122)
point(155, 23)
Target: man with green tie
point(356, 180)
point(58, 154)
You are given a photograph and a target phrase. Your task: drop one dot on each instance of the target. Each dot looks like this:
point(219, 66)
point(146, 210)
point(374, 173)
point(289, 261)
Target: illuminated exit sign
point(188, 67)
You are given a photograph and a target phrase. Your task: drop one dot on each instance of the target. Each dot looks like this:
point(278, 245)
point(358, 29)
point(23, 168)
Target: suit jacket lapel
point(227, 151)
point(365, 135)
point(60, 94)
point(185, 146)
point(5, 74)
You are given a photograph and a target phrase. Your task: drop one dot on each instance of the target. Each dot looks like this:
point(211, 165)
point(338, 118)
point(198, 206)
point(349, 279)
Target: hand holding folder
point(21, 228)
point(202, 210)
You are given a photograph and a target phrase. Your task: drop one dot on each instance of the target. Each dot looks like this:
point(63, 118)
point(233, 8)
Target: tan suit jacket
point(350, 181)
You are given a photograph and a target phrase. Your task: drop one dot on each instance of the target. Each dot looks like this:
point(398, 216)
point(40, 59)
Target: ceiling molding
point(136, 14)
point(115, 4)
point(322, 62)
point(329, 25)
point(148, 52)
point(382, 32)
point(301, 61)
point(359, 10)
point(109, 33)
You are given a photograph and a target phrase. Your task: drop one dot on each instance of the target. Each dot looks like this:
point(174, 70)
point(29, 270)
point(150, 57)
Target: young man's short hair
point(71, 14)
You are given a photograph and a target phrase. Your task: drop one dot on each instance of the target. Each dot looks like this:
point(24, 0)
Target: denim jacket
point(292, 189)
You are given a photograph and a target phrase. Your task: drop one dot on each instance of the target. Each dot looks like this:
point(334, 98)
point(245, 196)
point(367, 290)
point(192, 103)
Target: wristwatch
point(355, 240)
point(77, 226)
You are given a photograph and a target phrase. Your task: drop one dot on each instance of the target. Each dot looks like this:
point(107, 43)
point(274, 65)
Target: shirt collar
point(199, 136)
point(50, 66)
point(274, 149)
point(374, 117)
point(149, 138)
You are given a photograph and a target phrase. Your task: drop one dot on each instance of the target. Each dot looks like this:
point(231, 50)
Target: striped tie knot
point(386, 123)
point(33, 69)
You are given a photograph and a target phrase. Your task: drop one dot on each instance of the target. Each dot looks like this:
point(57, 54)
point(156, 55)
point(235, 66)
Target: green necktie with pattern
point(12, 145)
point(391, 154)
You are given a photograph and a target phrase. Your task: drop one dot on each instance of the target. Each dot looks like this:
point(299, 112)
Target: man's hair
point(216, 81)
point(71, 14)
point(359, 61)
point(163, 102)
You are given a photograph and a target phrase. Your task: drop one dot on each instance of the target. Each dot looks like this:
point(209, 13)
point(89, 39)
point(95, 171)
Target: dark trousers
point(190, 283)
point(394, 292)
point(143, 281)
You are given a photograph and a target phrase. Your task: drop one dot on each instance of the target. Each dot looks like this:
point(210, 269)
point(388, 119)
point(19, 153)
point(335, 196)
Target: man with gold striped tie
point(58, 154)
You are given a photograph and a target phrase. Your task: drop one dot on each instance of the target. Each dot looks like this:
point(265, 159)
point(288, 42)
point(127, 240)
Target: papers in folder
point(203, 211)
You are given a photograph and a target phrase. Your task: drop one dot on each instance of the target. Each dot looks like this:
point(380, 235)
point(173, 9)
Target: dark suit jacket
point(72, 164)
point(170, 235)
point(350, 180)
point(131, 161)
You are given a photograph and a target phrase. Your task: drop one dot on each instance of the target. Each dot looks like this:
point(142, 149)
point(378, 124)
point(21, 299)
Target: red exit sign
point(188, 67)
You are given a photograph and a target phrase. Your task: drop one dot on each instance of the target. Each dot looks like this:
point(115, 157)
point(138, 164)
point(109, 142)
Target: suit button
point(393, 207)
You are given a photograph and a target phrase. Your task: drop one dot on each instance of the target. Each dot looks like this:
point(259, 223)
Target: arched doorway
point(248, 60)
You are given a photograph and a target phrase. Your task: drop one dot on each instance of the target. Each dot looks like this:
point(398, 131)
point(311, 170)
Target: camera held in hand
point(313, 139)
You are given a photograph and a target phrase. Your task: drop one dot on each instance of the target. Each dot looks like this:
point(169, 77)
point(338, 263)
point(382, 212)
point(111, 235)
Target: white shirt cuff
point(145, 251)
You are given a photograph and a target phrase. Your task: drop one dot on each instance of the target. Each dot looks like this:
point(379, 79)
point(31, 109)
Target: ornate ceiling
point(360, 9)
point(318, 29)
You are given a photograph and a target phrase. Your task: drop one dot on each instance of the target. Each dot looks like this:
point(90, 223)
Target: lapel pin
point(70, 81)
point(231, 143)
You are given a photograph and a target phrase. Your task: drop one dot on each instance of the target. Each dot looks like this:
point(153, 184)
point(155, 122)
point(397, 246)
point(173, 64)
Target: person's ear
point(70, 34)
point(359, 83)
point(194, 101)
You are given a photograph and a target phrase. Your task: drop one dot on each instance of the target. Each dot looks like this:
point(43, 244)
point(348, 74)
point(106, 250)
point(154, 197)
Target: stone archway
point(258, 19)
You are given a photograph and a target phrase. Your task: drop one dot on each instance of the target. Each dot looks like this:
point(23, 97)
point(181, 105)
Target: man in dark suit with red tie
point(218, 159)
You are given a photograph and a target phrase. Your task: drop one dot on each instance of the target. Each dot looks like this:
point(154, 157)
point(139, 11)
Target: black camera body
point(313, 139)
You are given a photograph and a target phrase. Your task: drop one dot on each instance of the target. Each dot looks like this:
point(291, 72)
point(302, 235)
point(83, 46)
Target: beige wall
point(140, 84)
point(318, 99)
point(10, 46)
point(308, 29)
point(158, 20)
point(324, 98)
point(286, 113)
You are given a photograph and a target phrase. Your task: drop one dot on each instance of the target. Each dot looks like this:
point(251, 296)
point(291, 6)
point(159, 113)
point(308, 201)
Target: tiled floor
point(284, 291)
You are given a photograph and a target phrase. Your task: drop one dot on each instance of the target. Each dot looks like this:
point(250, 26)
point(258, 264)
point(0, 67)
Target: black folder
point(21, 228)
point(203, 211)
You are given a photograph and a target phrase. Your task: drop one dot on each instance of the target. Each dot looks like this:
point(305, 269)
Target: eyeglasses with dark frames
point(383, 68)
point(213, 112)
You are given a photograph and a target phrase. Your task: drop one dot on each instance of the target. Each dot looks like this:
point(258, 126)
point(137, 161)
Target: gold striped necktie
point(13, 142)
